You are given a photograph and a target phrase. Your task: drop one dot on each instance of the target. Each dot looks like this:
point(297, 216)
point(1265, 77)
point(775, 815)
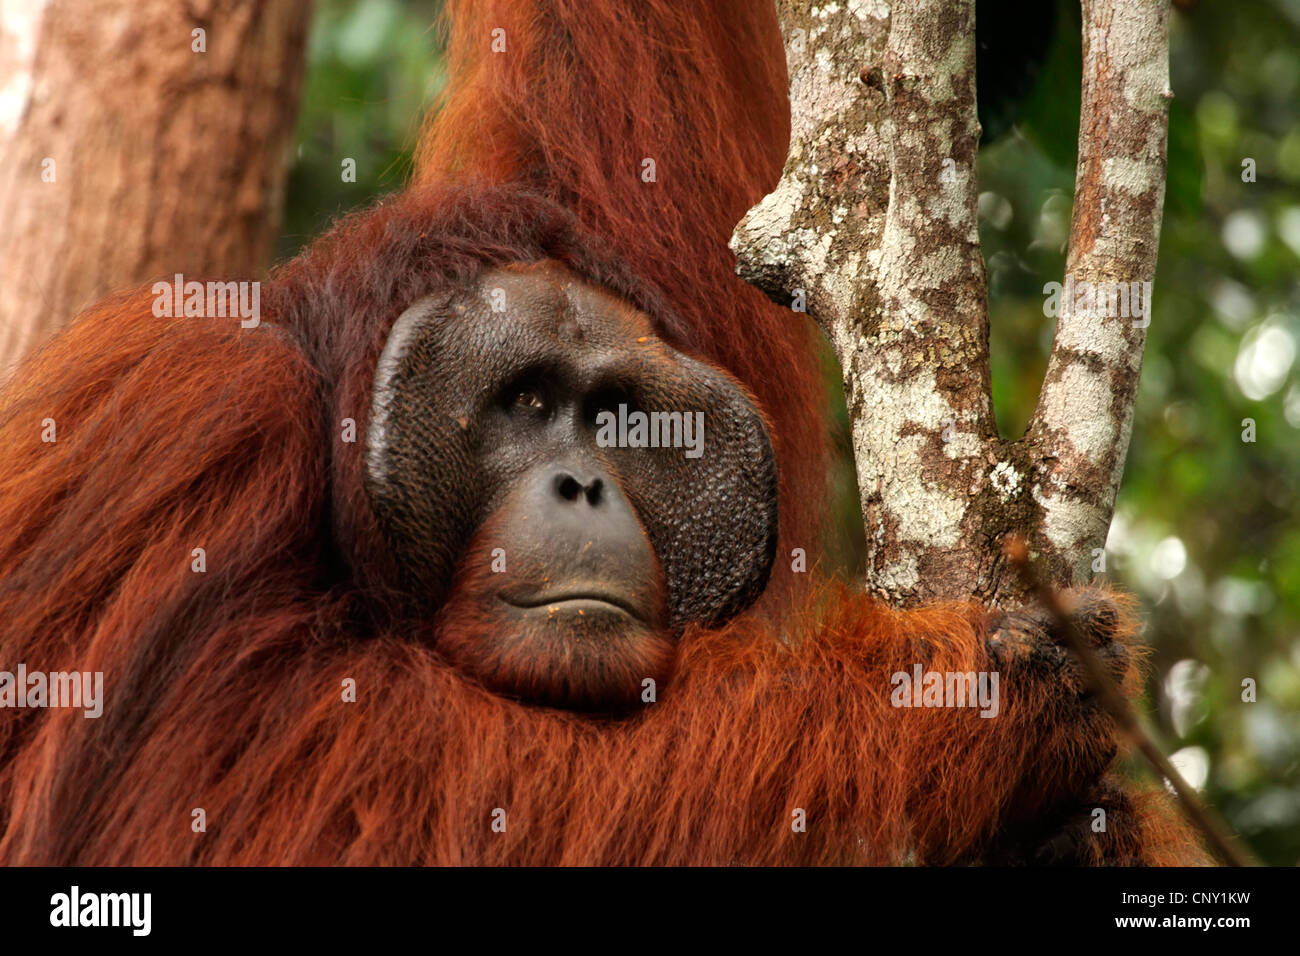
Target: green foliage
point(373, 69)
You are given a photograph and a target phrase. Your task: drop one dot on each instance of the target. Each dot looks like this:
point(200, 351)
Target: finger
point(1095, 615)
point(1117, 660)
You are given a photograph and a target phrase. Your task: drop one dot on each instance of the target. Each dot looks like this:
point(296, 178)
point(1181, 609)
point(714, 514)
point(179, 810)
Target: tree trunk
point(873, 227)
point(132, 147)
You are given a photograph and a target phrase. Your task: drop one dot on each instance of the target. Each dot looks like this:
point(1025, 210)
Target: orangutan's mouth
point(580, 600)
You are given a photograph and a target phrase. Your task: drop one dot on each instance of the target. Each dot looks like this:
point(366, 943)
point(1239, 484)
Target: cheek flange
point(419, 468)
point(713, 519)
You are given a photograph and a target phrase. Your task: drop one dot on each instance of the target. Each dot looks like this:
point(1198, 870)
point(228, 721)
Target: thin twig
point(1228, 849)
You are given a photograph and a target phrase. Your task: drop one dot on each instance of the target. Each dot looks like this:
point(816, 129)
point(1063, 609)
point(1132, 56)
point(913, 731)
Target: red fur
point(224, 689)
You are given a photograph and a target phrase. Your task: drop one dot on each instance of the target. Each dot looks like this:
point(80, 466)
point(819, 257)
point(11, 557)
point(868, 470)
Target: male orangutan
point(436, 620)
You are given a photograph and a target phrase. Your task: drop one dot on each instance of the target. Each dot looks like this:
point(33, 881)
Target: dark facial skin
point(559, 571)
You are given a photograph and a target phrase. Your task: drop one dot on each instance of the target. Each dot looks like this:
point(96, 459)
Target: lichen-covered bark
point(873, 226)
point(1080, 430)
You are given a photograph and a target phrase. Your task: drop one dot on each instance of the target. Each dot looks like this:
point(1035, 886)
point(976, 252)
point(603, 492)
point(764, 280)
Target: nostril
point(595, 491)
point(568, 487)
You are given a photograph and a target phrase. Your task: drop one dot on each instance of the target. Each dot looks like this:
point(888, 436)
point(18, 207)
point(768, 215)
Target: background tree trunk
point(873, 227)
point(127, 154)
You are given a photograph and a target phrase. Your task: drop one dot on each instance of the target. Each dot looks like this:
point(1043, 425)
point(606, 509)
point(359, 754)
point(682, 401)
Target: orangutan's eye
point(529, 399)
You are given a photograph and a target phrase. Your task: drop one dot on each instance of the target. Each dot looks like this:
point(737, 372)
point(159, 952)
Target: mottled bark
point(873, 230)
point(126, 154)
point(1080, 431)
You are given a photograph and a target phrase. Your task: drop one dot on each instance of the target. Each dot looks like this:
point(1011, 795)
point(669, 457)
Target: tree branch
point(875, 221)
point(872, 230)
point(1081, 427)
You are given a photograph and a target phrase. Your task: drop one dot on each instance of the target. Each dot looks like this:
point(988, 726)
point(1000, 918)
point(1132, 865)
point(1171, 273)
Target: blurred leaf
point(1051, 114)
point(1186, 171)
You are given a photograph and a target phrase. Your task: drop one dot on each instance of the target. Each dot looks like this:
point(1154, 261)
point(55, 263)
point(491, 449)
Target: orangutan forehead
point(553, 298)
point(535, 318)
